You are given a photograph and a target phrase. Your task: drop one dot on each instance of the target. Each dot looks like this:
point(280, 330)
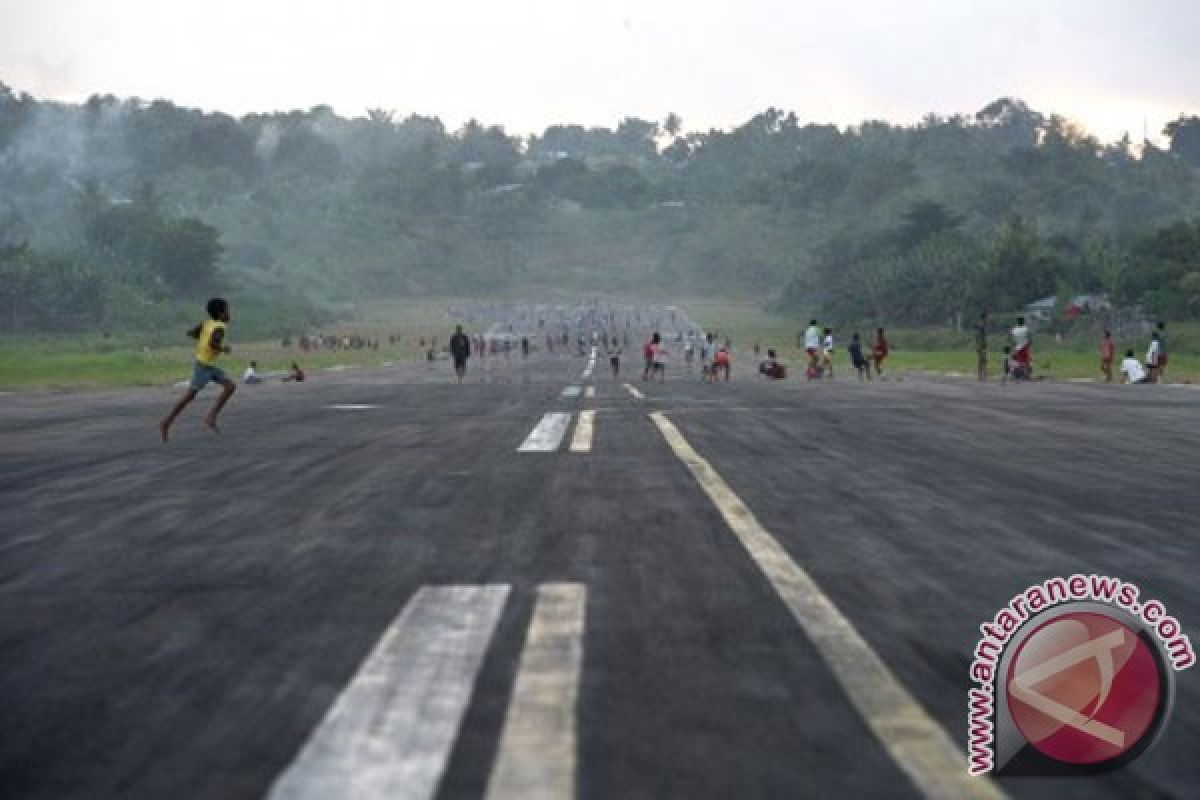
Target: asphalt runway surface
point(213, 617)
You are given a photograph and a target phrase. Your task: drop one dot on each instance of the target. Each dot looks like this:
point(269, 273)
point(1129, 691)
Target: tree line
point(116, 211)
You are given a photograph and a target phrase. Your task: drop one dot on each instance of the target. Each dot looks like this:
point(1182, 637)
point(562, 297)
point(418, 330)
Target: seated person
point(251, 374)
point(294, 374)
point(1132, 370)
point(771, 367)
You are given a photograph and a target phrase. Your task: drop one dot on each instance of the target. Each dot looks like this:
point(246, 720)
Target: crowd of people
point(1018, 364)
point(609, 331)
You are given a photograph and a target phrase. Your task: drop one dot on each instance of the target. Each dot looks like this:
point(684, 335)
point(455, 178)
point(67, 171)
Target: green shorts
point(203, 373)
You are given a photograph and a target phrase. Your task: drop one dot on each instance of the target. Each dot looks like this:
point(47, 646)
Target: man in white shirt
point(1132, 371)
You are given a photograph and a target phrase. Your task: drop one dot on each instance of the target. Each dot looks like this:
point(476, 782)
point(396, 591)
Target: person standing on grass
point(827, 353)
point(1162, 352)
point(1022, 346)
point(879, 351)
point(1108, 351)
point(460, 350)
point(210, 343)
point(812, 343)
point(981, 353)
point(1153, 353)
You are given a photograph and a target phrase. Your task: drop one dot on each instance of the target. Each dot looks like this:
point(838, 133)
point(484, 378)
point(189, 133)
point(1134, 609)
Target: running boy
point(210, 343)
point(857, 358)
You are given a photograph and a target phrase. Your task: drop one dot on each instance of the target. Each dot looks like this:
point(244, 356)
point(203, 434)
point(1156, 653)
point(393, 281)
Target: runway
point(525, 586)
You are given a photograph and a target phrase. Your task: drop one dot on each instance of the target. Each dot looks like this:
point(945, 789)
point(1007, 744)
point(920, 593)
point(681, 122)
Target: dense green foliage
point(121, 213)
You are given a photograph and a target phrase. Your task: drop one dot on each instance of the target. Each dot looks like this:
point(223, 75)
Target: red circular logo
point(1084, 688)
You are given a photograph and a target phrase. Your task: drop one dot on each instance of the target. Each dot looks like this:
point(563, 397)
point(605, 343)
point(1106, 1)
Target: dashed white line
point(915, 742)
point(589, 391)
point(537, 753)
point(351, 406)
point(548, 434)
point(390, 731)
point(633, 391)
point(582, 441)
point(591, 365)
point(571, 391)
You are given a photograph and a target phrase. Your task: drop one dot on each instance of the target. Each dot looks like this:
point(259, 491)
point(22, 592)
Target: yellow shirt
point(205, 354)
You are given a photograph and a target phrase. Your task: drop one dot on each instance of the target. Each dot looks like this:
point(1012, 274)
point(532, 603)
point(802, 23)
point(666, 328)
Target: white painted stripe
point(548, 434)
point(351, 406)
point(582, 441)
point(915, 742)
point(571, 391)
point(537, 754)
point(635, 392)
point(1081, 380)
point(390, 732)
point(589, 391)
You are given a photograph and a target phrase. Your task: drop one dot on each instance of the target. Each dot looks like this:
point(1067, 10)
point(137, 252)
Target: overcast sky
point(1111, 65)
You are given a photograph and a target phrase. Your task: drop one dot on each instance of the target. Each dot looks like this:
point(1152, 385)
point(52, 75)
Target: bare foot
point(163, 430)
point(211, 422)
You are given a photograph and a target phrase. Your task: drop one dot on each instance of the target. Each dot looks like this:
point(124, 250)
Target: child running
point(857, 358)
point(210, 343)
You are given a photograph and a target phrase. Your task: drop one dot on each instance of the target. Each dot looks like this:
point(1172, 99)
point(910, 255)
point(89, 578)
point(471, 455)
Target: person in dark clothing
point(460, 351)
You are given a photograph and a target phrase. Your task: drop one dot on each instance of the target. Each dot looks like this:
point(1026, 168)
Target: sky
point(1109, 65)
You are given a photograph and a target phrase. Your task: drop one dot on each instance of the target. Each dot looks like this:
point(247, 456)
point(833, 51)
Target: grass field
point(43, 362)
point(938, 350)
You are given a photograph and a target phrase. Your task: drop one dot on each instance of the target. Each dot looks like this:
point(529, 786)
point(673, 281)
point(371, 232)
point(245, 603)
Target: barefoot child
point(210, 343)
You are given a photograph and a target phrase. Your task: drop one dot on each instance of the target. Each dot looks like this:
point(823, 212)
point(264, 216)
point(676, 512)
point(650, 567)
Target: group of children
point(1018, 355)
point(716, 363)
point(1132, 370)
point(818, 345)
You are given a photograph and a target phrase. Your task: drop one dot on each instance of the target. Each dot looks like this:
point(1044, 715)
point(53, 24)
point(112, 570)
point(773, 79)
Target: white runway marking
point(548, 434)
point(537, 753)
point(589, 391)
point(591, 365)
point(582, 441)
point(390, 732)
point(571, 391)
point(915, 742)
point(351, 406)
point(635, 392)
